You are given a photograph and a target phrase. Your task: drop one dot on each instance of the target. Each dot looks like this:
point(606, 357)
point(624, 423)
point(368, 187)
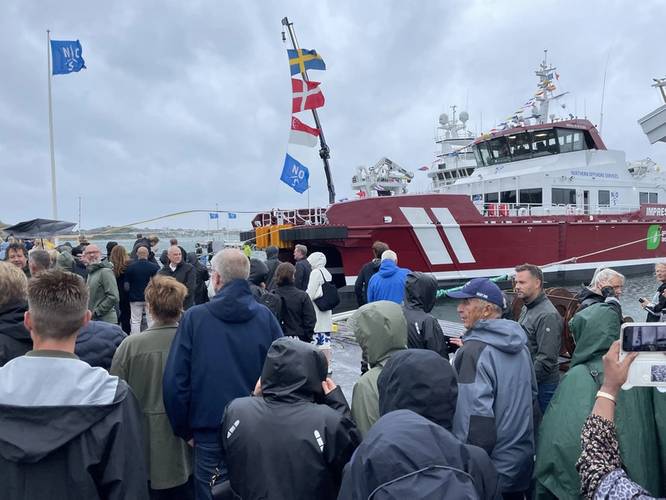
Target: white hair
point(390, 255)
point(231, 264)
point(603, 276)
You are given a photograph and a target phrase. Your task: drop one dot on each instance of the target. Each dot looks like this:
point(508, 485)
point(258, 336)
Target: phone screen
point(644, 338)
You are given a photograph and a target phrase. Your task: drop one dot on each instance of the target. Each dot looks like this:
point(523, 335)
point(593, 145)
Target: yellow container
point(275, 236)
point(263, 238)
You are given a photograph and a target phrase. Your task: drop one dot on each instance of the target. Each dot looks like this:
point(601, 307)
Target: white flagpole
point(54, 203)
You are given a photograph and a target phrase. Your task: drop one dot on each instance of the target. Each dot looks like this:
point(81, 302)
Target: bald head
point(175, 255)
point(229, 264)
point(142, 253)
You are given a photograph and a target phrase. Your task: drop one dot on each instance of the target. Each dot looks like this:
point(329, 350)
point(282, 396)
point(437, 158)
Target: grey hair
point(40, 258)
point(302, 249)
point(231, 264)
point(390, 255)
point(604, 276)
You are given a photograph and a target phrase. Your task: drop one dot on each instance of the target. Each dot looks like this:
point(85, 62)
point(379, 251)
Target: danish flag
point(305, 97)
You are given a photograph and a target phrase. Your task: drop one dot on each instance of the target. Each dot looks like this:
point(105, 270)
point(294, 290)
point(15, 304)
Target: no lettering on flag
point(66, 56)
point(302, 134)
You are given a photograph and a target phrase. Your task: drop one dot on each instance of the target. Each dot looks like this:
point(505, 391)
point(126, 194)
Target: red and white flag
point(309, 97)
point(302, 134)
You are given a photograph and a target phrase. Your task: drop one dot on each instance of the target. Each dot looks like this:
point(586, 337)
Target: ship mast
point(324, 151)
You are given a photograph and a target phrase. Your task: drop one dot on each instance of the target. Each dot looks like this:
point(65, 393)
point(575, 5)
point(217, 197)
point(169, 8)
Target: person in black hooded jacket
point(200, 290)
point(298, 314)
point(14, 338)
point(97, 342)
point(294, 439)
point(423, 330)
point(272, 263)
point(368, 271)
point(410, 452)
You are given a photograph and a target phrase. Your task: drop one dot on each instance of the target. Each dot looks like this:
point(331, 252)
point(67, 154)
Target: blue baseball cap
point(480, 288)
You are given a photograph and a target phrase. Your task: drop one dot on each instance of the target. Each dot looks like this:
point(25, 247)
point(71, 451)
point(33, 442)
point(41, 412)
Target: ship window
point(499, 151)
point(544, 142)
point(604, 198)
point(519, 145)
point(508, 196)
point(648, 198)
point(481, 154)
point(654, 198)
point(531, 196)
point(571, 140)
point(562, 196)
point(491, 198)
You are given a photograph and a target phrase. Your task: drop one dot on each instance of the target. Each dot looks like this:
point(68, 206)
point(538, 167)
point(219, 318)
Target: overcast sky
point(185, 105)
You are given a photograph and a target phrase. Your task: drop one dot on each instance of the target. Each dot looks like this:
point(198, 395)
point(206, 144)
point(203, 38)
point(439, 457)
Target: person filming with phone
point(657, 307)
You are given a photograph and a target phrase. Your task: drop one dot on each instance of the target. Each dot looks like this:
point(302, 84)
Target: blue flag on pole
point(213, 215)
point(302, 59)
point(66, 56)
point(295, 174)
point(232, 215)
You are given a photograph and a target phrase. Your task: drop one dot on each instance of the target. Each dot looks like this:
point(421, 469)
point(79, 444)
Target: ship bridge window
point(562, 196)
point(498, 151)
point(544, 142)
point(519, 145)
point(491, 197)
point(604, 198)
point(648, 197)
point(571, 140)
point(531, 196)
point(508, 197)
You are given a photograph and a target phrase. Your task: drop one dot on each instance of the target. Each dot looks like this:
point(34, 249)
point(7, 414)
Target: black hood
point(11, 322)
point(272, 252)
point(27, 436)
point(258, 271)
point(586, 293)
point(293, 371)
point(420, 291)
point(422, 381)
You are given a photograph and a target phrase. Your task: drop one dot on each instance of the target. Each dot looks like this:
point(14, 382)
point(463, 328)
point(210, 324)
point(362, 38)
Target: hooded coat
point(68, 430)
point(388, 283)
point(496, 390)
point(381, 330)
point(594, 329)
point(202, 275)
point(318, 275)
point(104, 295)
point(216, 356)
point(423, 330)
point(97, 342)
point(297, 437)
point(271, 263)
point(14, 338)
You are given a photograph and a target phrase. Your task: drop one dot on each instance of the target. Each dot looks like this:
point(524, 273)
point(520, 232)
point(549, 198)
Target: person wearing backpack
point(316, 284)
point(257, 281)
point(298, 314)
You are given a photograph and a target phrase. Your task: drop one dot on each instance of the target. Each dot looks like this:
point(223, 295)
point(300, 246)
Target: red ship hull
point(446, 235)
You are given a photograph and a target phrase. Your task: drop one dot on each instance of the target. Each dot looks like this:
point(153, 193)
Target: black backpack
point(330, 297)
point(274, 303)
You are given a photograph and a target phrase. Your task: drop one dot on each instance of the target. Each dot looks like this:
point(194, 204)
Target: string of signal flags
point(306, 95)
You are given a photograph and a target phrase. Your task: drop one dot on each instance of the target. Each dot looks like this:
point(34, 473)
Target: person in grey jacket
point(543, 326)
point(496, 386)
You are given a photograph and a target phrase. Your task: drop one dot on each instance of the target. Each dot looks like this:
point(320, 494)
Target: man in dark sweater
point(368, 271)
point(303, 268)
point(137, 276)
point(182, 271)
point(543, 326)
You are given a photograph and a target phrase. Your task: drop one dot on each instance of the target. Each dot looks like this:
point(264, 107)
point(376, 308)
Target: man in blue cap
point(496, 386)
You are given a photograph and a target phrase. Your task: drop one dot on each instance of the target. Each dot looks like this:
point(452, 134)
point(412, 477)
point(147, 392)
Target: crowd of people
point(142, 376)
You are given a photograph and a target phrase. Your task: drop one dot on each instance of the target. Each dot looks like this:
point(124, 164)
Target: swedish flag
point(302, 59)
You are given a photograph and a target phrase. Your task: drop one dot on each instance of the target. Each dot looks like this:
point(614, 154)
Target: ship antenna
point(603, 93)
point(324, 151)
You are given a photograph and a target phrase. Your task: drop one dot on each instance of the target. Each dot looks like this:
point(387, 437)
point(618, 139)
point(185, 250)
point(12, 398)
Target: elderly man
point(217, 356)
point(182, 271)
point(496, 386)
point(389, 282)
point(103, 287)
point(17, 254)
point(38, 261)
point(543, 326)
point(605, 283)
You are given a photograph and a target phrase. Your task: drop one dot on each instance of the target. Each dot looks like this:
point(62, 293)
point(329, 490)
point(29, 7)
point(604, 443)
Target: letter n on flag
point(302, 134)
point(66, 56)
point(308, 96)
point(295, 174)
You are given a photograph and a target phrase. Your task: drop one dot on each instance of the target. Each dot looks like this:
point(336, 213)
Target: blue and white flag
point(66, 56)
point(213, 215)
point(232, 215)
point(295, 174)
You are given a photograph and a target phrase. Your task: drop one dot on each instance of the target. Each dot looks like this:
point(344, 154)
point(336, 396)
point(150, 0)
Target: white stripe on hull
point(427, 234)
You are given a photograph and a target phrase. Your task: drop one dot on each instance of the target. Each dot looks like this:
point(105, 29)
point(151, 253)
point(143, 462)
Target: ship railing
point(297, 217)
point(540, 210)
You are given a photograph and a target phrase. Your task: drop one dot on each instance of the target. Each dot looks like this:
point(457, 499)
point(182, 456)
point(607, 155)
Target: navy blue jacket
point(388, 283)
point(97, 342)
point(137, 276)
point(217, 355)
